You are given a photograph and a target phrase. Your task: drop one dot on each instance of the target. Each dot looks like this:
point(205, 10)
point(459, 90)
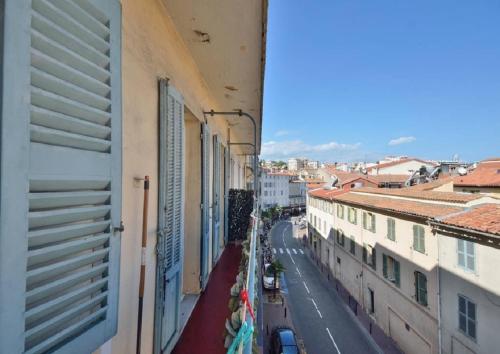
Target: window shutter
point(374, 258)
point(364, 220)
point(373, 223)
point(61, 175)
point(397, 273)
point(205, 203)
point(384, 265)
point(424, 289)
point(364, 253)
point(415, 237)
point(226, 194)
point(215, 197)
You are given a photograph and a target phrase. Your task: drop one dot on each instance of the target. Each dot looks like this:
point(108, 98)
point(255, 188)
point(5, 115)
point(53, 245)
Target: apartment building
point(484, 179)
point(295, 164)
point(403, 166)
point(297, 193)
point(99, 94)
point(275, 189)
point(381, 247)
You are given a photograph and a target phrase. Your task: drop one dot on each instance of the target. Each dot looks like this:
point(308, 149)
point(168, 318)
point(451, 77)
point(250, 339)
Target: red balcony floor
point(205, 328)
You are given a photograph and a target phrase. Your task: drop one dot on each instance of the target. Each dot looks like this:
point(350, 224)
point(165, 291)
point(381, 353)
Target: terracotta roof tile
point(487, 174)
point(433, 184)
point(484, 218)
point(451, 197)
point(389, 178)
point(398, 205)
point(326, 194)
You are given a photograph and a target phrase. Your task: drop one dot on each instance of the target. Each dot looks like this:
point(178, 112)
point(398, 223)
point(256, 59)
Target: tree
point(276, 268)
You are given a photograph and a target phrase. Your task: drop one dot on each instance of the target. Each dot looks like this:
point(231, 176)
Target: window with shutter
point(170, 214)
point(391, 229)
point(226, 194)
point(421, 288)
point(61, 175)
point(205, 204)
point(215, 199)
point(418, 238)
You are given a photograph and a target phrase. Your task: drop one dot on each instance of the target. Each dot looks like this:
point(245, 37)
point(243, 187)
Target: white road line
point(306, 287)
point(294, 251)
point(317, 310)
point(281, 250)
point(301, 252)
point(274, 250)
point(287, 251)
point(298, 271)
point(292, 259)
point(333, 340)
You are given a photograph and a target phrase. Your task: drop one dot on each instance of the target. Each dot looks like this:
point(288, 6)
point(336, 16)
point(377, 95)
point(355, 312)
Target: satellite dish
point(462, 171)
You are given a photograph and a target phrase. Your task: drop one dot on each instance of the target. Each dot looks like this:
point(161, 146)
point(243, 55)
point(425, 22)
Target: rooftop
point(326, 194)
point(432, 185)
point(483, 218)
point(487, 174)
point(398, 162)
point(407, 207)
point(452, 197)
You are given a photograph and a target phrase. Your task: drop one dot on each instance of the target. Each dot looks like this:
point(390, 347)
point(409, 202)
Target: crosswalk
point(288, 250)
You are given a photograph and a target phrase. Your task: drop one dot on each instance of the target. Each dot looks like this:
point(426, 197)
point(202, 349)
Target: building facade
point(275, 189)
point(103, 93)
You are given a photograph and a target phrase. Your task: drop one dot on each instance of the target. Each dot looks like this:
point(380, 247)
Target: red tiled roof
point(315, 185)
point(451, 197)
point(487, 174)
point(394, 163)
point(398, 205)
point(484, 218)
point(389, 178)
point(433, 184)
point(326, 194)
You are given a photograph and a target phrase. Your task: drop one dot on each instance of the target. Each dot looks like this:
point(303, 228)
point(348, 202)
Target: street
point(319, 315)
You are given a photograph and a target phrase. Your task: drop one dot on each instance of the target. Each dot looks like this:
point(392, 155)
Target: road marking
point(292, 259)
point(287, 251)
point(294, 251)
point(298, 271)
point(306, 287)
point(301, 252)
point(274, 250)
point(281, 250)
point(317, 310)
point(333, 341)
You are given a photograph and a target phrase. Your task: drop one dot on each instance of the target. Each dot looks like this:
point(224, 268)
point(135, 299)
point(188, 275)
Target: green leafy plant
point(277, 268)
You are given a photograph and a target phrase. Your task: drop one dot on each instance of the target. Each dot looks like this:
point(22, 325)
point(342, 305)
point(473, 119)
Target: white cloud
point(402, 140)
point(281, 133)
point(284, 149)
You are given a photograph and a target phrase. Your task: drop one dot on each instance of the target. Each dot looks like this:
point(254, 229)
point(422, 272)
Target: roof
point(327, 194)
point(433, 184)
point(487, 174)
point(398, 162)
point(407, 207)
point(312, 185)
point(389, 178)
point(452, 197)
point(483, 218)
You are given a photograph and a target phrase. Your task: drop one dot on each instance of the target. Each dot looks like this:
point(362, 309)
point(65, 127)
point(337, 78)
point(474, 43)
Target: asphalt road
point(319, 315)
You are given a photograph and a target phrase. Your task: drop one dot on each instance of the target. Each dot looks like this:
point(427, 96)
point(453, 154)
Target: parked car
point(268, 278)
point(283, 341)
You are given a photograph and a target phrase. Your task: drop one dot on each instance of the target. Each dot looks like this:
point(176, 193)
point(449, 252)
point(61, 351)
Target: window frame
point(340, 211)
point(391, 236)
point(419, 246)
point(465, 254)
point(418, 298)
point(466, 332)
point(352, 215)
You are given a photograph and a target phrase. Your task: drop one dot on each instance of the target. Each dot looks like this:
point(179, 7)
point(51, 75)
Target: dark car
point(283, 341)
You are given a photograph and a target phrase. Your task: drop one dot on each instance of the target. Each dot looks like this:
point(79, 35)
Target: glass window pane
point(470, 248)
point(461, 260)
point(472, 329)
point(470, 262)
point(461, 304)
point(462, 322)
point(471, 310)
point(461, 247)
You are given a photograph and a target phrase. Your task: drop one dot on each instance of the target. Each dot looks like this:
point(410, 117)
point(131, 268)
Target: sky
point(351, 80)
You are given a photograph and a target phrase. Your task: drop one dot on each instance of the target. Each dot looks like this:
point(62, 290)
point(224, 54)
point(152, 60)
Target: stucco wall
point(151, 48)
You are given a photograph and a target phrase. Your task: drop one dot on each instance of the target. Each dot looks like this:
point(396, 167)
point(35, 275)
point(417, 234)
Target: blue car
point(283, 341)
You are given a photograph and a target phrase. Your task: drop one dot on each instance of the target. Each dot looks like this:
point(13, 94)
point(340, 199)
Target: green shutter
point(60, 175)
point(424, 290)
point(364, 253)
point(415, 238)
point(373, 223)
point(384, 265)
point(364, 220)
point(397, 273)
point(374, 259)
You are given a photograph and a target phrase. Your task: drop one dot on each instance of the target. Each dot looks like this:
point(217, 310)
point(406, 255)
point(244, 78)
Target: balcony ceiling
point(227, 41)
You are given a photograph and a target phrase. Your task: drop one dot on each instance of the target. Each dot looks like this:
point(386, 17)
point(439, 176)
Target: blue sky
point(353, 80)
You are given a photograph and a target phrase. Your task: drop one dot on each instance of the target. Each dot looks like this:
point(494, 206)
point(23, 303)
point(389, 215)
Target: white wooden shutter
point(61, 175)
point(205, 204)
point(170, 217)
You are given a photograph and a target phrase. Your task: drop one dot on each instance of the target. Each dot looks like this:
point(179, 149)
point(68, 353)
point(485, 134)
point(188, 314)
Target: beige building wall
point(481, 286)
point(151, 48)
point(489, 191)
point(404, 168)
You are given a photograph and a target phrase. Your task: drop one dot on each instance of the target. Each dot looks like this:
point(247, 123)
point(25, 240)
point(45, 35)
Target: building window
point(340, 237)
point(353, 246)
point(370, 256)
point(352, 215)
point(419, 238)
point(314, 221)
point(324, 227)
point(391, 229)
point(467, 316)
point(265, 193)
point(340, 211)
point(390, 269)
point(466, 255)
point(421, 288)
point(369, 221)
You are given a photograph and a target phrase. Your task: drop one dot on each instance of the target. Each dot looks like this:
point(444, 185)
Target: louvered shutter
point(384, 265)
point(205, 204)
point(170, 214)
point(215, 199)
point(397, 273)
point(61, 175)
